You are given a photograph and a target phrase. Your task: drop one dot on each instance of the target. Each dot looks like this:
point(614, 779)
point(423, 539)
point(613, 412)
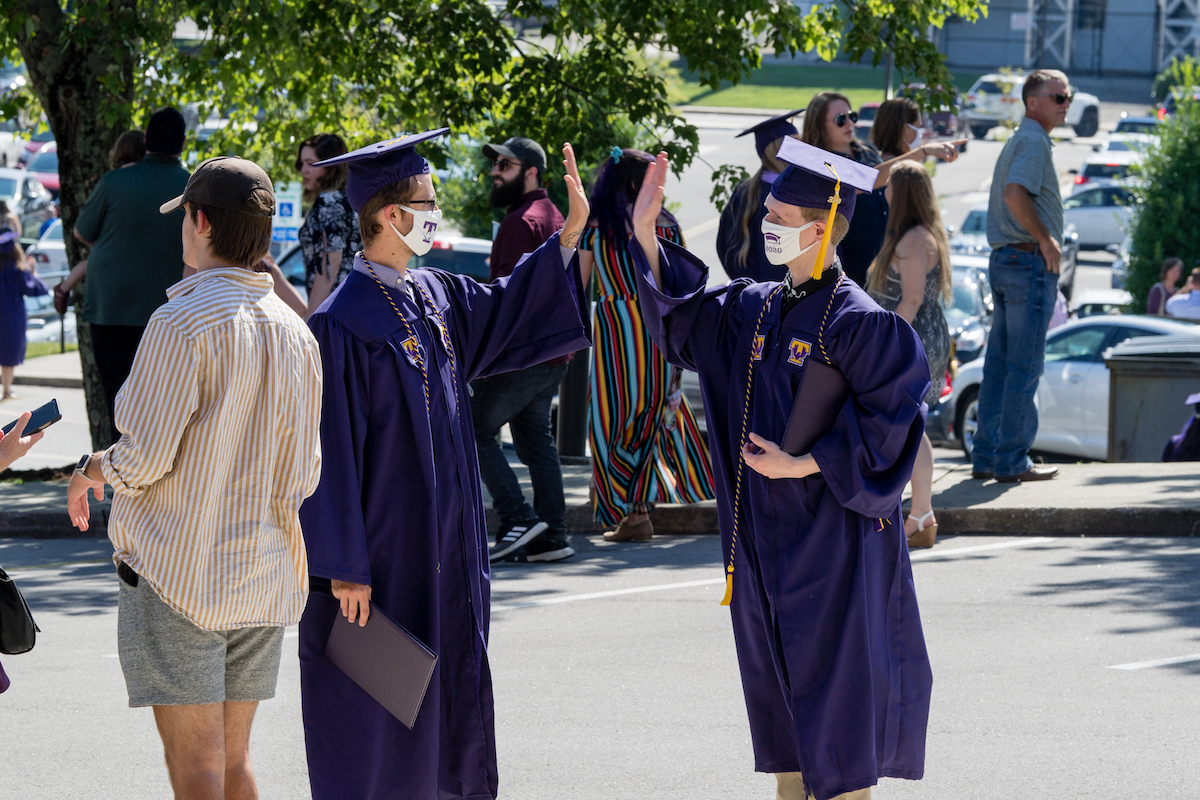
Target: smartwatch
point(82, 466)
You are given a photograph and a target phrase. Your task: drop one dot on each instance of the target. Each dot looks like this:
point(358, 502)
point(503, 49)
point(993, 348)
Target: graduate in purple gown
point(398, 516)
point(825, 620)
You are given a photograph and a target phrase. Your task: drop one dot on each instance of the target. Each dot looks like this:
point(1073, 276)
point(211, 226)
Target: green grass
point(35, 349)
point(788, 86)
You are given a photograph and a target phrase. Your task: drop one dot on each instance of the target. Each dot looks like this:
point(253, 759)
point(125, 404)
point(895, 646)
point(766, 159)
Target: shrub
point(1168, 204)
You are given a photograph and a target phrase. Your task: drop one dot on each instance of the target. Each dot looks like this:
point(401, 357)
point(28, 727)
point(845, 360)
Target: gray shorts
point(169, 661)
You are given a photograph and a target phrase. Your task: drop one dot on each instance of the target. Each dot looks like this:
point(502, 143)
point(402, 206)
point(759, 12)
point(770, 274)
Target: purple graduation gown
point(399, 507)
point(825, 620)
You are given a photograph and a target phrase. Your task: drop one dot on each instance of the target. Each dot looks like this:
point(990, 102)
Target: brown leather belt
point(1024, 247)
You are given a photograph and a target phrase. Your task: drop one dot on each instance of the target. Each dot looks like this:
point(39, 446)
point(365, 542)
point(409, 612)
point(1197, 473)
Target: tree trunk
point(84, 81)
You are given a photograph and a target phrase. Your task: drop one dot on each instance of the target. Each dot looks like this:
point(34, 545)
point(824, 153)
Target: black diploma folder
point(823, 393)
point(386, 661)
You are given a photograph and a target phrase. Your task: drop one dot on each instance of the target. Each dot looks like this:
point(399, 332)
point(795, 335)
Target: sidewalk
point(60, 370)
point(1084, 500)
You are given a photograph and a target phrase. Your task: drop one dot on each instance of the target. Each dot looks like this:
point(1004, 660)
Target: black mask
point(508, 193)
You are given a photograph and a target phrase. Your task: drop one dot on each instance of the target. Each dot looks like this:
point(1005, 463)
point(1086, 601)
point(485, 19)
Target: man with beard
point(521, 399)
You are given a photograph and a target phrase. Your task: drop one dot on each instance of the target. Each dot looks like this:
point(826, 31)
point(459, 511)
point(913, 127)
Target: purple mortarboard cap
point(1192, 399)
point(809, 182)
point(771, 129)
point(379, 165)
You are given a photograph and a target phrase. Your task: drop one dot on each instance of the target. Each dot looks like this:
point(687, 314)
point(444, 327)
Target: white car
point(25, 195)
point(1126, 143)
point(987, 105)
point(971, 238)
point(1101, 214)
point(50, 253)
point(12, 144)
point(1072, 395)
point(1111, 165)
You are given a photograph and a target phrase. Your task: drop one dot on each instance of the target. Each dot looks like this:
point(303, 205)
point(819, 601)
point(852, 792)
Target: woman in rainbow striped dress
point(646, 447)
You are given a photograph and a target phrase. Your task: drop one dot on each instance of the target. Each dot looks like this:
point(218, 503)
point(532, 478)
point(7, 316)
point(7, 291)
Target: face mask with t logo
point(425, 226)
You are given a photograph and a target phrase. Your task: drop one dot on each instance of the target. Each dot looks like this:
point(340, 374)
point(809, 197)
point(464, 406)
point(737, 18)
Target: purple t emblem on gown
point(829, 641)
point(399, 507)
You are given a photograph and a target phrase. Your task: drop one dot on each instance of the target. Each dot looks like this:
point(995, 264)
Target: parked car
point(1072, 395)
point(986, 105)
point(969, 314)
point(44, 167)
point(866, 120)
point(1101, 214)
point(1111, 166)
point(44, 323)
point(50, 253)
point(945, 121)
point(26, 195)
point(34, 146)
point(1150, 125)
point(461, 255)
point(1098, 302)
point(971, 240)
point(12, 143)
point(1126, 143)
point(1166, 109)
point(1120, 264)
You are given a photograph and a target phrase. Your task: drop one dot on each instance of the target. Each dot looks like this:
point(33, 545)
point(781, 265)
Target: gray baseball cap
point(228, 182)
point(520, 148)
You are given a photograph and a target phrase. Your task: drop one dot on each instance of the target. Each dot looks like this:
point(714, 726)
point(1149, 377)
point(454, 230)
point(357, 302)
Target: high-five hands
point(647, 208)
point(579, 210)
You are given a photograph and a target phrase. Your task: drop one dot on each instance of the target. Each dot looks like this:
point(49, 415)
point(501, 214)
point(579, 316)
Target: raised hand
point(650, 198)
point(579, 210)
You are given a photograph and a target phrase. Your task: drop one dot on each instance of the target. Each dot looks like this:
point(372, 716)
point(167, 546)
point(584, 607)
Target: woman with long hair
point(329, 236)
point(17, 282)
point(910, 276)
point(739, 237)
point(646, 446)
point(1161, 292)
point(897, 128)
point(829, 124)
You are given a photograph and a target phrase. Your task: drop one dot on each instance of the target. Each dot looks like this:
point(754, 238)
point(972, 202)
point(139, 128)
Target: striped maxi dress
point(646, 446)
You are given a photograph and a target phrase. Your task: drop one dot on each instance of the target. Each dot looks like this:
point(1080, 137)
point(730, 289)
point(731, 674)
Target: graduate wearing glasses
point(397, 518)
point(818, 580)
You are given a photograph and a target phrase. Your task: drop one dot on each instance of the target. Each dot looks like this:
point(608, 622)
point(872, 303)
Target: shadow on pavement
point(75, 590)
point(1160, 596)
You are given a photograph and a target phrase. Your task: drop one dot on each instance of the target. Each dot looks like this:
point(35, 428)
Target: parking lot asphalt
point(1062, 668)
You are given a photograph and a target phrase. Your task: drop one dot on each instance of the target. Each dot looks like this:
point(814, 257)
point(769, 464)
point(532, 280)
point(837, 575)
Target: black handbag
point(18, 631)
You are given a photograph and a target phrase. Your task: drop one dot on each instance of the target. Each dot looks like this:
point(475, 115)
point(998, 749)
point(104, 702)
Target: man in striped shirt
point(219, 446)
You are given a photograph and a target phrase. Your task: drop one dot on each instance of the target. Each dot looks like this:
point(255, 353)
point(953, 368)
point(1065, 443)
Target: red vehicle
point(34, 146)
point(44, 167)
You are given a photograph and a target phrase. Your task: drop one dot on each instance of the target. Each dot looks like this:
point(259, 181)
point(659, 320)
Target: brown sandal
point(925, 534)
point(627, 532)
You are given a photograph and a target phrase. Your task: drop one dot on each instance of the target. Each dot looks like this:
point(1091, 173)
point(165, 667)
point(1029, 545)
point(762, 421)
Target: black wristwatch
point(82, 466)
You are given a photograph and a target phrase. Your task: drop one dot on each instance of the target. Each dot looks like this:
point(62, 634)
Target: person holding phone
point(15, 443)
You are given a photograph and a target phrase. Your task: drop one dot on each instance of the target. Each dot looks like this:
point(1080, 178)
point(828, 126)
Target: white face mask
point(783, 243)
point(919, 131)
point(425, 227)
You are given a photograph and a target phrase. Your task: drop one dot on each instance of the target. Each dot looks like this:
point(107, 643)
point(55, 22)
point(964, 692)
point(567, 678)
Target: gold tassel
point(728, 586)
point(833, 204)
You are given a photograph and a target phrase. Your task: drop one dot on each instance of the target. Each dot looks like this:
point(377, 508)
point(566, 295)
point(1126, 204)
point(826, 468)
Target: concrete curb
point(56, 383)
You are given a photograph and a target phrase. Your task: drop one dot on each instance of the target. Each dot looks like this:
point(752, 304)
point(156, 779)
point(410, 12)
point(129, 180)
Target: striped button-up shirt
point(220, 445)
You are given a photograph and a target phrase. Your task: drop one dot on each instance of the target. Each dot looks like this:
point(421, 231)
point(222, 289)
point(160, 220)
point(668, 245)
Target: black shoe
point(514, 535)
point(1038, 472)
point(552, 546)
point(981, 475)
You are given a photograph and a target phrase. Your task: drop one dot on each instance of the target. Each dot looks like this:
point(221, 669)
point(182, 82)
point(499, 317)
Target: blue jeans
point(1024, 292)
point(522, 401)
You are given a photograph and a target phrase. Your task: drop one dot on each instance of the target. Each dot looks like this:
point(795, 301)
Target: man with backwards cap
point(397, 519)
point(819, 584)
point(739, 237)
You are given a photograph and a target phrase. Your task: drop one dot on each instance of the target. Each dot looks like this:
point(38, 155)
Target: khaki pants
point(791, 787)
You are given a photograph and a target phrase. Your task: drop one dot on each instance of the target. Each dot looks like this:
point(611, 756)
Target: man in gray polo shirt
point(1024, 227)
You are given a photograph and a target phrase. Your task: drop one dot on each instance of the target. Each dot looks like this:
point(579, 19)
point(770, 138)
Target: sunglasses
point(503, 164)
point(840, 119)
point(1059, 98)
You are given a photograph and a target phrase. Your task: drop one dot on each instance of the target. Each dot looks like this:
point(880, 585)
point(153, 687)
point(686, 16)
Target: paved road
point(616, 677)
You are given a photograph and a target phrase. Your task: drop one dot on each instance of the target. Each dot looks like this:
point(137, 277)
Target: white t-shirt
point(1184, 306)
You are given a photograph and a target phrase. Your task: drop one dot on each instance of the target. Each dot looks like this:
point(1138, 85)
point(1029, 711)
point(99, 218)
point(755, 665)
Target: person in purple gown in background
point(830, 647)
point(398, 517)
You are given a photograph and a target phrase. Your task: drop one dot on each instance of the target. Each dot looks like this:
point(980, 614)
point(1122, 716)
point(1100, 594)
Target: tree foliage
point(1181, 74)
point(280, 70)
point(1167, 202)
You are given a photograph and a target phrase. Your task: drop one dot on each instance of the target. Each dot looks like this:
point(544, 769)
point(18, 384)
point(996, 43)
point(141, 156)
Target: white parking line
point(1162, 662)
point(979, 548)
point(571, 598)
